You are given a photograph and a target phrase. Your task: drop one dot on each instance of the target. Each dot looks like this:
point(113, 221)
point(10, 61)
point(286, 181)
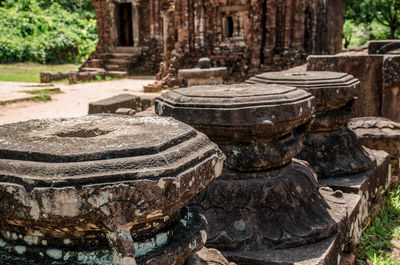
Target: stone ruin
point(247, 36)
point(112, 189)
point(103, 190)
point(267, 207)
point(126, 103)
point(331, 148)
point(378, 73)
point(77, 76)
point(339, 152)
point(380, 134)
point(204, 75)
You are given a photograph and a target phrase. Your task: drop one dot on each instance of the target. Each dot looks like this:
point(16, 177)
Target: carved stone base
point(170, 246)
point(369, 184)
point(333, 154)
point(276, 209)
point(326, 251)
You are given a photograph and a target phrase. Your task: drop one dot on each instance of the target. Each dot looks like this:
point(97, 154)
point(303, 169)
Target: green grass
point(42, 95)
point(22, 72)
point(375, 246)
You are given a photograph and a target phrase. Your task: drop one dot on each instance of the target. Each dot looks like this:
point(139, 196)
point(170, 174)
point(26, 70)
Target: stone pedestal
point(264, 202)
point(378, 73)
point(331, 148)
point(205, 75)
point(103, 190)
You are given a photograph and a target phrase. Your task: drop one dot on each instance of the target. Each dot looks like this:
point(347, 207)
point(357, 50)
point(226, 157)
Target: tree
point(385, 12)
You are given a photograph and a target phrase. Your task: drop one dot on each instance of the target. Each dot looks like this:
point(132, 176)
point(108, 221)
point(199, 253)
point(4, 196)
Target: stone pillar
point(331, 147)
point(266, 207)
point(391, 87)
point(103, 190)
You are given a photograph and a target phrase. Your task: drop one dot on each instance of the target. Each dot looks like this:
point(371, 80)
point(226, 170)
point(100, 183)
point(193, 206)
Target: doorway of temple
point(125, 28)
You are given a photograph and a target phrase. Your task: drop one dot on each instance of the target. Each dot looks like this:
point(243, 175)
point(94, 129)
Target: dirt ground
point(72, 102)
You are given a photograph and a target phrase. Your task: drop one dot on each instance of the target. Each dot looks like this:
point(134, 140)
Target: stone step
point(94, 63)
point(115, 67)
point(117, 73)
point(92, 69)
point(126, 50)
point(125, 56)
point(118, 61)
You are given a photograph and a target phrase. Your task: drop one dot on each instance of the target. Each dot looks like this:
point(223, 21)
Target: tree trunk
point(392, 32)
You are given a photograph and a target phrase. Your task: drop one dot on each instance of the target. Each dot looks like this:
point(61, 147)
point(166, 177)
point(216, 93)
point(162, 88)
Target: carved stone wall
point(247, 36)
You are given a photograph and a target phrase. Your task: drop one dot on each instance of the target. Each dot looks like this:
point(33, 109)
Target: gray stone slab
point(110, 105)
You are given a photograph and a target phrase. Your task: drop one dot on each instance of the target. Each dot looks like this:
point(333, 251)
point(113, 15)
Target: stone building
point(247, 36)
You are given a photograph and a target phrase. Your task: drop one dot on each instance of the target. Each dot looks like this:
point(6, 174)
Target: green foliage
point(376, 243)
point(44, 32)
point(368, 12)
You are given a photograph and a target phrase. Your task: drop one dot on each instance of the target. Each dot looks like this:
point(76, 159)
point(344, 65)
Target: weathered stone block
point(367, 69)
point(103, 190)
point(391, 88)
point(203, 76)
point(384, 47)
point(331, 148)
point(379, 134)
point(110, 105)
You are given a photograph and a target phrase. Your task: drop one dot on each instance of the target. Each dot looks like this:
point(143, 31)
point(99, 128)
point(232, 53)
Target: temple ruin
point(135, 36)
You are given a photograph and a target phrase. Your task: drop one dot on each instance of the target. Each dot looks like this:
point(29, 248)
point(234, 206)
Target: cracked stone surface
point(117, 185)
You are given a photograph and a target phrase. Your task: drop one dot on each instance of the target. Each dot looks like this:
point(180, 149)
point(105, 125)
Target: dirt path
point(73, 102)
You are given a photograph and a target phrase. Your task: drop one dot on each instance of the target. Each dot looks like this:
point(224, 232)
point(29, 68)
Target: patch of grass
point(42, 91)
point(42, 95)
point(30, 73)
point(376, 244)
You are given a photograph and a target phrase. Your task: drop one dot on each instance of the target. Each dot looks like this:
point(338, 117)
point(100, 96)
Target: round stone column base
point(278, 208)
point(171, 246)
point(335, 153)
